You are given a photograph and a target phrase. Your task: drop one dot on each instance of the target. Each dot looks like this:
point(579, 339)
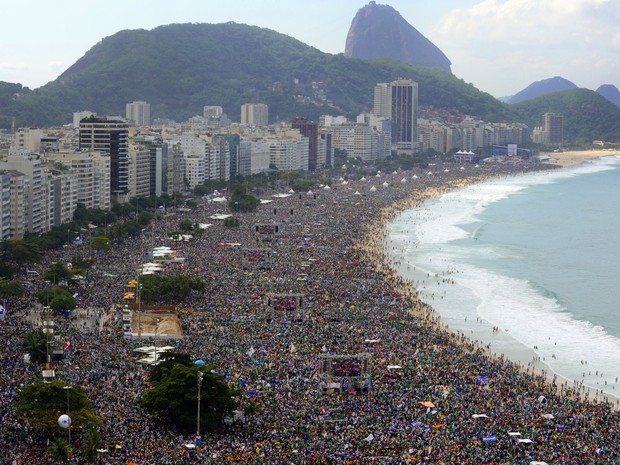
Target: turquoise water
point(536, 256)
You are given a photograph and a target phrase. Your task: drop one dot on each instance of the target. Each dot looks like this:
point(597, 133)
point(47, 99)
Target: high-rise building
point(110, 137)
point(553, 128)
point(398, 101)
point(403, 95)
point(138, 113)
point(310, 129)
point(255, 114)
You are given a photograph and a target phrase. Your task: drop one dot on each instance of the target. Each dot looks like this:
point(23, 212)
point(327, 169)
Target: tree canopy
point(175, 396)
point(41, 404)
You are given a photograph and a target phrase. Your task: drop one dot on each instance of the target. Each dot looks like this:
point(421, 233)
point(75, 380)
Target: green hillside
point(180, 68)
point(587, 114)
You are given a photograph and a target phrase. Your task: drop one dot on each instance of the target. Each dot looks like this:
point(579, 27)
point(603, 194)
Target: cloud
point(526, 40)
point(13, 66)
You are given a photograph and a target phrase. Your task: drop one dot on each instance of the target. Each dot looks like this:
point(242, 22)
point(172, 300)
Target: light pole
point(198, 439)
point(155, 341)
point(68, 388)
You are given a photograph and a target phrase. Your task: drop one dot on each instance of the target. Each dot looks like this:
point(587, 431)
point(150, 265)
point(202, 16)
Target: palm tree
point(90, 443)
point(35, 344)
point(59, 450)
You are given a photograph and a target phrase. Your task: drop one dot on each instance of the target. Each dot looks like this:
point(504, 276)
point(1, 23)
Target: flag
point(251, 351)
point(369, 438)
point(67, 344)
point(323, 349)
point(293, 349)
point(75, 296)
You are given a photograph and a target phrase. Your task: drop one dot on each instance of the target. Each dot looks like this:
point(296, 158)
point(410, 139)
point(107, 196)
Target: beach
point(575, 157)
point(433, 395)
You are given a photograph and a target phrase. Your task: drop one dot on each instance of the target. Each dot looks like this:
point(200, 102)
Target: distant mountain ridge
point(610, 92)
point(379, 31)
point(538, 88)
point(180, 68)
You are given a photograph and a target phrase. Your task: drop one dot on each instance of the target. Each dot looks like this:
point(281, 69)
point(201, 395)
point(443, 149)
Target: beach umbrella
point(428, 404)
point(199, 362)
point(548, 416)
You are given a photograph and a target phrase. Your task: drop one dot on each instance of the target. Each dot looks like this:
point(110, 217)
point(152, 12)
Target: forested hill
point(180, 68)
point(587, 114)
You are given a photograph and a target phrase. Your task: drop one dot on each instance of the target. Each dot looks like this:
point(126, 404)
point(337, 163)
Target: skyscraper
point(403, 95)
point(110, 137)
point(309, 129)
point(553, 128)
point(398, 101)
point(138, 113)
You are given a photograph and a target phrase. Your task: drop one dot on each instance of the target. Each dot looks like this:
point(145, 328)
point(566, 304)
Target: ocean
point(527, 264)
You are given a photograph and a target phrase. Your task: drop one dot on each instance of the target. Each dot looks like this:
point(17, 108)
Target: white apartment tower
point(138, 113)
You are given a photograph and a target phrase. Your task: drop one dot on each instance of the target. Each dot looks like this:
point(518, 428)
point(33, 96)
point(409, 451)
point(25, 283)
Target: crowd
point(329, 254)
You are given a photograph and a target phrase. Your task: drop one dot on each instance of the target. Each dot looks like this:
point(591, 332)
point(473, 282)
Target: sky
point(499, 46)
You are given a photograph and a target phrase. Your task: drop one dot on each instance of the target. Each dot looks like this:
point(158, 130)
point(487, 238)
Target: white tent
point(373, 188)
point(385, 184)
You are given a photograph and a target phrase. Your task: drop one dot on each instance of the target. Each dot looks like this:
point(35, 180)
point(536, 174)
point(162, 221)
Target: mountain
point(610, 92)
point(587, 115)
point(538, 88)
point(180, 68)
point(379, 31)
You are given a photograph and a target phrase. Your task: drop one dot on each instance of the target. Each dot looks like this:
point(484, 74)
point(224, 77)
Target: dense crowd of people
point(329, 254)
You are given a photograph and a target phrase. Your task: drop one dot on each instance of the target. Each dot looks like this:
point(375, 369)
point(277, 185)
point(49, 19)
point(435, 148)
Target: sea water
point(528, 265)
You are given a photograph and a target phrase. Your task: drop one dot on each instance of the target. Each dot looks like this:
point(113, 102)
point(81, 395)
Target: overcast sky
point(500, 46)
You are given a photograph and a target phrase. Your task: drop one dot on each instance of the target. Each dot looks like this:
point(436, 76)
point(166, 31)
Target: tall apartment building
point(91, 173)
point(398, 101)
point(139, 171)
point(255, 114)
point(5, 205)
point(553, 128)
point(138, 113)
point(63, 194)
point(110, 137)
point(309, 129)
point(80, 115)
point(35, 195)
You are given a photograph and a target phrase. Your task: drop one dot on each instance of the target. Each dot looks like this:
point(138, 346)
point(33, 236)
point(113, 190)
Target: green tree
point(100, 243)
point(10, 288)
point(59, 450)
point(58, 272)
point(61, 303)
point(35, 344)
point(41, 404)
point(186, 225)
point(45, 296)
point(91, 441)
point(175, 396)
point(167, 361)
point(231, 222)
point(145, 218)
point(172, 289)
point(20, 251)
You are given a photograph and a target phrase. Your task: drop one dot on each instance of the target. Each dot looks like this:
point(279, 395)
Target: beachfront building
point(91, 174)
point(139, 171)
point(551, 132)
point(398, 101)
point(110, 137)
point(309, 129)
point(253, 156)
point(34, 193)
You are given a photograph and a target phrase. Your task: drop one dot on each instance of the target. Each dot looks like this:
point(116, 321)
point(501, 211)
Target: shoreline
point(376, 243)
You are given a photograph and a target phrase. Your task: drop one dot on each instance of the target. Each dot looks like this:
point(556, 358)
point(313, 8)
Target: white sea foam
point(480, 299)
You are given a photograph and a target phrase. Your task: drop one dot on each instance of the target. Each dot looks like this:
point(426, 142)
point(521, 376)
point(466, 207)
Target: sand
point(575, 157)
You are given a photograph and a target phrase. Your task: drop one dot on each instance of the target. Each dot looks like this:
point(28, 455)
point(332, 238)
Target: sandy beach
point(575, 157)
